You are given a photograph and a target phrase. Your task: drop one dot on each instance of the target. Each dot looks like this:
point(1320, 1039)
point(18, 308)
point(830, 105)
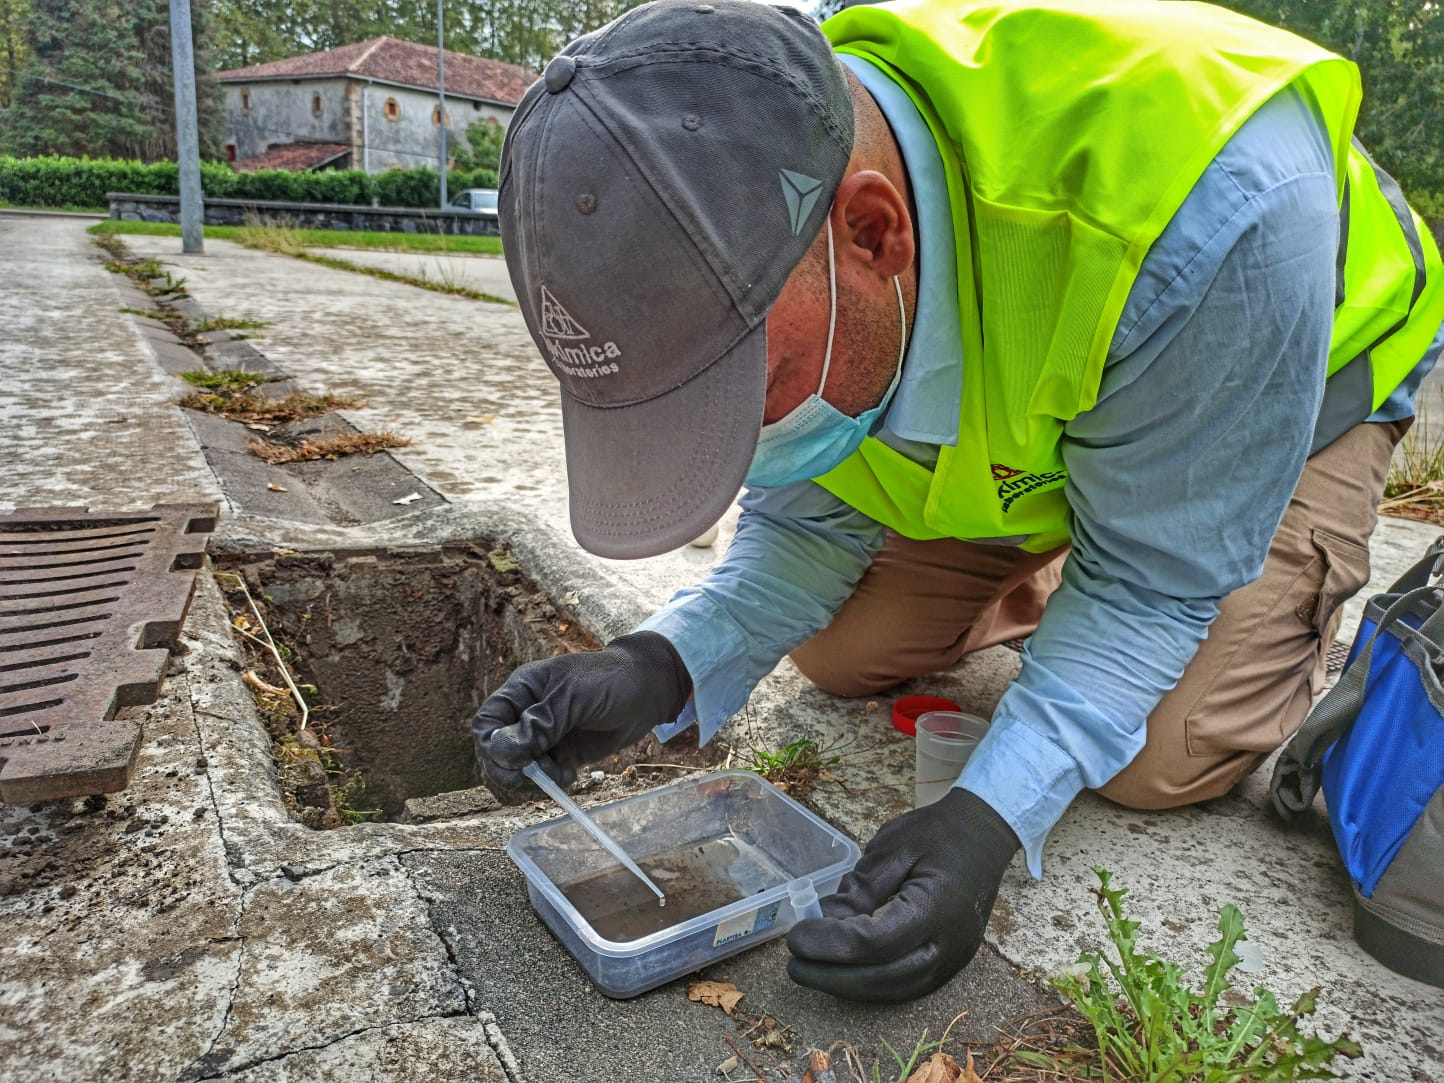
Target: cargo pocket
point(1254, 676)
point(1340, 570)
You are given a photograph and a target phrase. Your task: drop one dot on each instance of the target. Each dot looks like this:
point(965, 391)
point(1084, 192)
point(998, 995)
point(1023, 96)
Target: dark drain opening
point(397, 649)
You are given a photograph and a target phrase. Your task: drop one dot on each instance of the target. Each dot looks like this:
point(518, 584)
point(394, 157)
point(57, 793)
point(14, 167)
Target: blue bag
point(1376, 743)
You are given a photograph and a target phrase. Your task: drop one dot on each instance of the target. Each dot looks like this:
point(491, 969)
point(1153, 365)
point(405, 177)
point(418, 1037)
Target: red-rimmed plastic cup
point(907, 709)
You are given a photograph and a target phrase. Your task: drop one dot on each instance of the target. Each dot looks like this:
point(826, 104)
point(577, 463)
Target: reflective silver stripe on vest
point(1349, 393)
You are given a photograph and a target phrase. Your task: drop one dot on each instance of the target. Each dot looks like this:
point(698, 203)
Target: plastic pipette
point(572, 809)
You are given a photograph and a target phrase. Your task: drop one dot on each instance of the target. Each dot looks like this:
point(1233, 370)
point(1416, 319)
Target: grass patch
point(280, 236)
point(323, 238)
point(284, 239)
point(794, 768)
point(148, 274)
point(1415, 485)
point(243, 404)
point(153, 314)
point(66, 208)
point(227, 381)
point(228, 323)
point(327, 447)
point(411, 280)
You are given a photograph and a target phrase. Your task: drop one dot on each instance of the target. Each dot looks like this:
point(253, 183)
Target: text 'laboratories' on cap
point(658, 185)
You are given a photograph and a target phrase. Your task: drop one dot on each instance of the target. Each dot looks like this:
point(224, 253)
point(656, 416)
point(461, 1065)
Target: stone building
point(371, 106)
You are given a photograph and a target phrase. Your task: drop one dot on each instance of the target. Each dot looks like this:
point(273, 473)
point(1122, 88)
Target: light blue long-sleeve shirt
point(1177, 478)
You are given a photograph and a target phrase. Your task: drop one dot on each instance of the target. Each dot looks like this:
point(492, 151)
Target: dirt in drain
point(393, 652)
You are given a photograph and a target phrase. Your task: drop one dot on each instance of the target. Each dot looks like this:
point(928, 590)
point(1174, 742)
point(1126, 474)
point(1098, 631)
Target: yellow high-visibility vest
point(1070, 133)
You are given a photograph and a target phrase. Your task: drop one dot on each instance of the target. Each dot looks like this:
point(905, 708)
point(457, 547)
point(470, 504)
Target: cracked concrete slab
point(325, 956)
point(437, 1050)
point(117, 912)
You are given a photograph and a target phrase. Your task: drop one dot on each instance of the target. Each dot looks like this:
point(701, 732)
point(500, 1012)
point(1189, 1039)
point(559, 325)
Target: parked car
point(482, 201)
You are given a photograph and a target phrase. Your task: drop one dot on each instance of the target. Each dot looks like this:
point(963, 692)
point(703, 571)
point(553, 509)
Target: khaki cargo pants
point(923, 605)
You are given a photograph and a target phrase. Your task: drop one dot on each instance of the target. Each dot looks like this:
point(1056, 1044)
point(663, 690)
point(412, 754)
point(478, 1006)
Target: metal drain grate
point(90, 606)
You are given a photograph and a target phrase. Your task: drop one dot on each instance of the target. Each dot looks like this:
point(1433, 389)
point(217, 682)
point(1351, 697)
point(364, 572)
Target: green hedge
point(84, 182)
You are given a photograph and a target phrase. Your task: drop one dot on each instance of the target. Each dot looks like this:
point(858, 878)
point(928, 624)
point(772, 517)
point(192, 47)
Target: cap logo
point(563, 337)
point(556, 322)
point(801, 193)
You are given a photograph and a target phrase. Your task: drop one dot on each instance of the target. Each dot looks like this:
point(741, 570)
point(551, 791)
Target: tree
point(12, 45)
point(525, 32)
point(483, 145)
point(98, 82)
point(255, 31)
point(1399, 47)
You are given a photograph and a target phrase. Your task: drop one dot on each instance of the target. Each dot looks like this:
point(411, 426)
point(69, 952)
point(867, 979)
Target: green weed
point(794, 768)
point(906, 1065)
point(227, 381)
point(799, 755)
point(1151, 1027)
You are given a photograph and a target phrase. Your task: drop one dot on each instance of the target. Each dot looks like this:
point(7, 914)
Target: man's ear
point(872, 224)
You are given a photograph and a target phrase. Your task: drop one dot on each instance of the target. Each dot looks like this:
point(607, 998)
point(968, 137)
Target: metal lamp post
point(441, 94)
point(187, 139)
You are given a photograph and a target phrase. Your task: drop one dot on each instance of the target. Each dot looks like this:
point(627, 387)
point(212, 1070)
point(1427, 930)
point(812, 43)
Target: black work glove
point(577, 708)
point(911, 914)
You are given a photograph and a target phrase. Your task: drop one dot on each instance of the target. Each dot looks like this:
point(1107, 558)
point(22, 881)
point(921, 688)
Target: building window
point(230, 152)
point(315, 105)
point(436, 116)
point(245, 101)
point(391, 110)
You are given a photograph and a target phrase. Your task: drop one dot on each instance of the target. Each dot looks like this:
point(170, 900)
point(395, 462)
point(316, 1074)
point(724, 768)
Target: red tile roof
point(392, 60)
point(297, 157)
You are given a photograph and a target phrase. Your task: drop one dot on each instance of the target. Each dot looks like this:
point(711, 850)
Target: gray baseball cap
point(658, 185)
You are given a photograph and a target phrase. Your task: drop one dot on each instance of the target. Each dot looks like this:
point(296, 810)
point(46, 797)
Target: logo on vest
point(1016, 484)
point(567, 343)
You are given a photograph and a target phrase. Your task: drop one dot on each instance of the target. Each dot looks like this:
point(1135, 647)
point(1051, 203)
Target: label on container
point(754, 921)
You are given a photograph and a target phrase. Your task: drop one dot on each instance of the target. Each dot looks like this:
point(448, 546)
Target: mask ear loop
point(902, 322)
point(902, 315)
point(831, 307)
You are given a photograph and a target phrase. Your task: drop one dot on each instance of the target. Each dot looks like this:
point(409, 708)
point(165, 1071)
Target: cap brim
point(651, 477)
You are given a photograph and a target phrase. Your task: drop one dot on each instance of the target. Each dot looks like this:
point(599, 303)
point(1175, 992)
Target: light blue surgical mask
point(816, 436)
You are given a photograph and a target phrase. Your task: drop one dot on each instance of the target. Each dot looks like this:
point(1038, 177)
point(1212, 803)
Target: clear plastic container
point(727, 848)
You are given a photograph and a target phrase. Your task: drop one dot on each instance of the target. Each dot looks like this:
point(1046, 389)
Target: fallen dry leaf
point(773, 1036)
point(277, 488)
point(726, 1067)
point(719, 994)
point(970, 1076)
point(252, 681)
point(940, 1068)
